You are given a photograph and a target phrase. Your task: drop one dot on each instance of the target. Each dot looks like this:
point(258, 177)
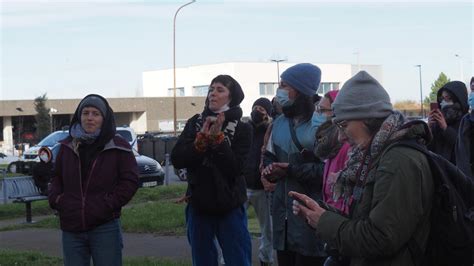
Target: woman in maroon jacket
point(95, 175)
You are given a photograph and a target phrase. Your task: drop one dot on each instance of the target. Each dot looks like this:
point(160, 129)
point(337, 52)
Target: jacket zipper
point(83, 202)
point(83, 196)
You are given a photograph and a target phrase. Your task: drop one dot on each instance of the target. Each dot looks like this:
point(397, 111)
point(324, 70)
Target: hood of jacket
point(108, 129)
point(416, 129)
point(458, 90)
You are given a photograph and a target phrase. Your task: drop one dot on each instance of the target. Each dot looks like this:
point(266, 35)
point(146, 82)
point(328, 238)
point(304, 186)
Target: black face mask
point(257, 117)
point(452, 113)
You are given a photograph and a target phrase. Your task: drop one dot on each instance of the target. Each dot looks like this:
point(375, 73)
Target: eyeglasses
point(341, 124)
point(320, 110)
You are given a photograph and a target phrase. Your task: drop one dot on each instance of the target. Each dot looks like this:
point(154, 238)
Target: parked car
point(128, 134)
point(6, 159)
point(49, 141)
point(150, 171)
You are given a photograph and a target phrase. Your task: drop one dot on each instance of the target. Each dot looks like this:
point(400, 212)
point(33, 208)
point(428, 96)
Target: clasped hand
point(275, 171)
point(213, 125)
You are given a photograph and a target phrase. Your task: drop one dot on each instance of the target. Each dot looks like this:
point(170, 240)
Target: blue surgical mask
point(318, 119)
point(471, 100)
point(445, 103)
point(282, 97)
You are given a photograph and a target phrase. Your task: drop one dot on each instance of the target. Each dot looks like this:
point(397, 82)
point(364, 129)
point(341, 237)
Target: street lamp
point(51, 112)
point(278, 67)
point(421, 92)
point(461, 72)
point(175, 124)
point(20, 127)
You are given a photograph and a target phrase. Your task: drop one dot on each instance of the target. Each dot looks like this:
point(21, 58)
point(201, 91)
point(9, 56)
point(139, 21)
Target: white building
point(257, 79)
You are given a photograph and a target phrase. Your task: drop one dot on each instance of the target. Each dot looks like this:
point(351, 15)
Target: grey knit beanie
point(93, 100)
point(361, 97)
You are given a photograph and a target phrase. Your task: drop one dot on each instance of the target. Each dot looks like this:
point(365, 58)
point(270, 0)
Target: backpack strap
point(293, 135)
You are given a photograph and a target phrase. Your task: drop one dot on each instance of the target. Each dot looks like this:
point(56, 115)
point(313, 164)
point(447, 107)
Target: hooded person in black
point(213, 147)
point(444, 122)
point(91, 144)
point(465, 142)
point(43, 171)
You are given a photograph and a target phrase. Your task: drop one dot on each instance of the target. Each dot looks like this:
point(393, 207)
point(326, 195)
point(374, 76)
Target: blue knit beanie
point(303, 77)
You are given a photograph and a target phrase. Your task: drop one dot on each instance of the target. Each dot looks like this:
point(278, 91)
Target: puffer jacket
point(85, 203)
point(395, 207)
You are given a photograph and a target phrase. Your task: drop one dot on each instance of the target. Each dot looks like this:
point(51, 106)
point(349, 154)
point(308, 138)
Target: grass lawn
point(21, 258)
point(17, 210)
point(152, 210)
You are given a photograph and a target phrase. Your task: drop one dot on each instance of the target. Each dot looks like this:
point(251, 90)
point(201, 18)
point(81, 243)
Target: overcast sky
point(68, 49)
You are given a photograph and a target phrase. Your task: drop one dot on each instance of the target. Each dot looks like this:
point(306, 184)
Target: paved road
point(48, 241)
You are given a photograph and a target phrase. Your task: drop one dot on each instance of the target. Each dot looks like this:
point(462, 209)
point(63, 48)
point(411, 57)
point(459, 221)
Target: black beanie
point(265, 103)
point(236, 92)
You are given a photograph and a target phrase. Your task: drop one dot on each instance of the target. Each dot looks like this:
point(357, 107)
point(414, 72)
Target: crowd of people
point(327, 182)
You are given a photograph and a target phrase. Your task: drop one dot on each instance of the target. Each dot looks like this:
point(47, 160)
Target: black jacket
point(465, 146)
point(215, 178)
point(251, 170)
point(444, 140)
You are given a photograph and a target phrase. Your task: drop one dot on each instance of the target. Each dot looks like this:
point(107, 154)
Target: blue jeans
point(103, 244)
point(260, 201)
point(230, 230)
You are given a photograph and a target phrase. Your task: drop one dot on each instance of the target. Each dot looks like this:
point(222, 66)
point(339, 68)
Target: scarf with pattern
point(351, 181)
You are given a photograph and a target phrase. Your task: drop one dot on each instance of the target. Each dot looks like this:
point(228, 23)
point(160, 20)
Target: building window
point(179, 91)
point(268, 88)
point(325, 87)
point(200, 90)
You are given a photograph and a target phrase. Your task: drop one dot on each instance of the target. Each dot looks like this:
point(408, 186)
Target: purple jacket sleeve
point(127, 183)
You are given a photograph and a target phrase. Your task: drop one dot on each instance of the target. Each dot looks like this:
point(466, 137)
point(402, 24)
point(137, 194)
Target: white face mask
point(445, 103)
point(44, 157)
point(224, 108)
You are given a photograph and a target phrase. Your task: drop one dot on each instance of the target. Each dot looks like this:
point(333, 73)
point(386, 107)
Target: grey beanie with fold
point(361, 97)
point(93, 100)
